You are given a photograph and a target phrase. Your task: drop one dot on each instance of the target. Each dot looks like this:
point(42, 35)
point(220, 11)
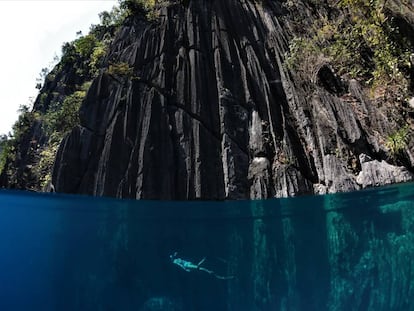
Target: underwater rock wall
point(344, 252)
point(349, 251)
point(333, 254)
point(209, 111)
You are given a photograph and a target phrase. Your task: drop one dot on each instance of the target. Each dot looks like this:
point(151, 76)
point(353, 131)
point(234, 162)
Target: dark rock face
point(20, 172)
point(211, 112)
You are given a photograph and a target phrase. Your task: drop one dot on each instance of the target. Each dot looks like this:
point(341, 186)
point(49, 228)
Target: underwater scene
point(351, 251)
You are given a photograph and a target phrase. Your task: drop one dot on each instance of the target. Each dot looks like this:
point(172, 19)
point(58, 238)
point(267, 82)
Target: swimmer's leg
point(216, 275)
point(201, 262)
point(206, 270)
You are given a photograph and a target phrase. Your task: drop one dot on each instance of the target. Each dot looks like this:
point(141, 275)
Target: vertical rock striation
point(211, 112)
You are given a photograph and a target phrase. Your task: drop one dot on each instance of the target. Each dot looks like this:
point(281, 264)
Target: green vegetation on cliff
point(27, 154)
point(367, 40)
point(359, 38)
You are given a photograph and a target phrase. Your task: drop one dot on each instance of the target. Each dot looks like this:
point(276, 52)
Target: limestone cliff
point(208, 109)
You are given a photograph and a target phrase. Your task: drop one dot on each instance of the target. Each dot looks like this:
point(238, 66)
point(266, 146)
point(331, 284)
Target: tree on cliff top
point(136, 6)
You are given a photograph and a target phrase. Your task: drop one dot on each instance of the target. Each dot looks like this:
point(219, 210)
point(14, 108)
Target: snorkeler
point(189, 266)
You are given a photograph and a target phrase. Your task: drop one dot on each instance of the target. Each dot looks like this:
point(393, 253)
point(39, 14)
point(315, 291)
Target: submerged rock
point(160, 304)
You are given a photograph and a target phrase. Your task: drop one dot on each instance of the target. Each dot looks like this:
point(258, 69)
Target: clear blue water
point(350, 251)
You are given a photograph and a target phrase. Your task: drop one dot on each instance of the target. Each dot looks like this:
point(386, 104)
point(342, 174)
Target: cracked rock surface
point(376, 173)
point(212, 113)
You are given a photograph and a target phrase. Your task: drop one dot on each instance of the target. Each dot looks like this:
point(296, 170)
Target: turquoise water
point(337, 252)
